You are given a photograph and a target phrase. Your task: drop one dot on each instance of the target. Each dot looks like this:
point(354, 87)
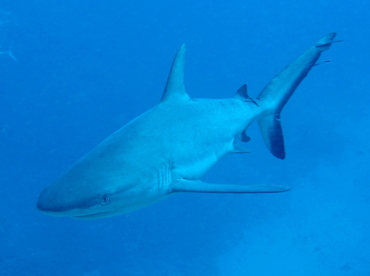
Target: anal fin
point(197, 186)
point(244, 137)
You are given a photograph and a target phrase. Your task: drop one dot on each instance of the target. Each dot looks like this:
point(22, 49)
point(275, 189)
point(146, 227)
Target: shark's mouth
point(94, 216)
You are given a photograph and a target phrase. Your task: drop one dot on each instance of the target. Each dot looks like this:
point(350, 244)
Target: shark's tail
point(278, 91)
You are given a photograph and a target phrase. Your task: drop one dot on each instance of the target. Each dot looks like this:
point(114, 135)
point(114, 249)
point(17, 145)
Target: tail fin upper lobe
point(278, 91)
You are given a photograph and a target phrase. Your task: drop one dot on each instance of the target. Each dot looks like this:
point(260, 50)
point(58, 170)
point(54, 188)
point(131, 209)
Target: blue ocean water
point(73, 72)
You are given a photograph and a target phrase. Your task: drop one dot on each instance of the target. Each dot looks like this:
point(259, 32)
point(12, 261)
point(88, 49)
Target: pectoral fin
point(196, 186)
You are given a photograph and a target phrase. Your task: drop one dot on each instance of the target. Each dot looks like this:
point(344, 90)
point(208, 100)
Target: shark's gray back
point(175, 132)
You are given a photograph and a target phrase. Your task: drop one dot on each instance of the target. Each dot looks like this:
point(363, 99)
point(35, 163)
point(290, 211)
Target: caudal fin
point(278, 91)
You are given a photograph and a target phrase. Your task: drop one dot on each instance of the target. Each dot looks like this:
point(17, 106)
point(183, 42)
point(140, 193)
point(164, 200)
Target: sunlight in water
point(7, 26)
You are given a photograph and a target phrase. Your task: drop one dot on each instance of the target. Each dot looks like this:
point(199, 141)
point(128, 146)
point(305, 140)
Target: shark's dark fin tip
point(242, 94)
point(272, 134)
point(244, 137)
point(325, 42)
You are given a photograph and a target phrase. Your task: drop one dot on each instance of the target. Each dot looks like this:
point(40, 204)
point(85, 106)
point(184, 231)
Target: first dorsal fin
point(175, 87)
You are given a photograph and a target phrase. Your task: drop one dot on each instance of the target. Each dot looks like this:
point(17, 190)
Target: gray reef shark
point(170, 147)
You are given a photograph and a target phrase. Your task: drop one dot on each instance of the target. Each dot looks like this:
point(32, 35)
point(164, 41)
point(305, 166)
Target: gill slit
point(164, 176)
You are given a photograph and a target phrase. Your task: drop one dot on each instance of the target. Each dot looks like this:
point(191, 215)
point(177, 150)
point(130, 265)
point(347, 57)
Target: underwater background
point(73, 72)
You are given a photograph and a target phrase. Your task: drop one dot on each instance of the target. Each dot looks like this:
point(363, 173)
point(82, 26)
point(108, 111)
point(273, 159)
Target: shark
point(169, 148)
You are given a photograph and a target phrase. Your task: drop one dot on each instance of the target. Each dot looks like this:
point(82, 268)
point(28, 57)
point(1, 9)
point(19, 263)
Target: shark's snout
point(56, 203)
point(49, 202)
point(42, 204)
point(61, 201)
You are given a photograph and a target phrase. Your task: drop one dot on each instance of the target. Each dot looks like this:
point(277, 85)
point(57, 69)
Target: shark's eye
point(104, 199)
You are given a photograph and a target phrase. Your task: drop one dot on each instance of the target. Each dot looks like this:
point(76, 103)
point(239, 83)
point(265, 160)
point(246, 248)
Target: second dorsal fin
point(175, 87)
point(242, 94)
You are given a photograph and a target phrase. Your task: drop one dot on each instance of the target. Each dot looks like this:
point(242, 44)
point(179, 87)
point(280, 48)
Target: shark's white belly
point(196, 169)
